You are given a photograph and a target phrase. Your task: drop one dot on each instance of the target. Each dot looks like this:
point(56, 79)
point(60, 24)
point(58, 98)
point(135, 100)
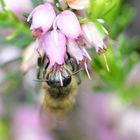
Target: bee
point(58, 99)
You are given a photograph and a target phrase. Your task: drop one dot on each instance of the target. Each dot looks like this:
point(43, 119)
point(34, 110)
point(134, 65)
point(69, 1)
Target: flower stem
point(58, 5)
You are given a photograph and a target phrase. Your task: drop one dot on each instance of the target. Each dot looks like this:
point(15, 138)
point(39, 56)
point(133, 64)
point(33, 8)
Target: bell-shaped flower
point(55, 47)
point(78, 53)
point(42, 18)
point(74, 50)
point(78, 4)
point(68, 23)
point(94, 37)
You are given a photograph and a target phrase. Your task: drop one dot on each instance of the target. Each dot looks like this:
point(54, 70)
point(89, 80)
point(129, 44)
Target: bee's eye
point(54, 79)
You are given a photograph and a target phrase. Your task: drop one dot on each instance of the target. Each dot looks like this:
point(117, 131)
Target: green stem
point(58, 5)
point(83, 20)
point(3, 5)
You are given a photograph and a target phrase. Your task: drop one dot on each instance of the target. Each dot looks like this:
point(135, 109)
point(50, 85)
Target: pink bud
point(78, 4)
point(68, 23)
point(55, 47)
point(42, 17)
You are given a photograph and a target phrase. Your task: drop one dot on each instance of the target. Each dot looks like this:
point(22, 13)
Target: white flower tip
point(28, 19)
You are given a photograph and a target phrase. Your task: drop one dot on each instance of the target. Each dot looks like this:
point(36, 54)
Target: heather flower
point(61, 34)
point(75, 51)
point(55, 47)
point(78, 4)
point(79, 54)
point(68, 24)
point(94, 37)
point(42, 19)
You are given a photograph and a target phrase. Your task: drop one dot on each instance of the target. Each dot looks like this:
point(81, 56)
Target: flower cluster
point(59, 33)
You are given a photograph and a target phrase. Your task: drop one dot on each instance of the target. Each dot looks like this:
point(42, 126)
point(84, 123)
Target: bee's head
point(59, 78)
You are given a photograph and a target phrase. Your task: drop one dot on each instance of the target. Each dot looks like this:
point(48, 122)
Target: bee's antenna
point(74, 73)
point(37, 80)
point(77, 71)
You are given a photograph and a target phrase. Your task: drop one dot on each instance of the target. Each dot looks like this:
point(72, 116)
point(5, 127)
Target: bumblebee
point(57, 98)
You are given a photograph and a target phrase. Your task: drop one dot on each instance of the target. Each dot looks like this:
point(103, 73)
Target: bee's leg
point(75, 68)
point(45, 70)
point(72, 62)
point(39, 65)
point(79, 78)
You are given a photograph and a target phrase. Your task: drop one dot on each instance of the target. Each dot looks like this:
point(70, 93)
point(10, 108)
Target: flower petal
point(55, 47)
point(74, 50)
point(42, 17)
point(68, 23)
point(78, 54)
point(93, 36)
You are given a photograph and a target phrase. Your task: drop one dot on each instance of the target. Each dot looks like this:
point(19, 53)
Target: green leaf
point(121, 22)
point(106, 9)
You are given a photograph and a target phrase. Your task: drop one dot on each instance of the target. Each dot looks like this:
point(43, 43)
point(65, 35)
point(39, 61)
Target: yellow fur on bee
point(59, 106)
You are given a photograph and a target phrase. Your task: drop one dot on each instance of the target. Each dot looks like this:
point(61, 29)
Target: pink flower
point(74, 50)
point(68, 24)
point(94, 37)
point(55, 47)
point(42, 18)
point(80, 55)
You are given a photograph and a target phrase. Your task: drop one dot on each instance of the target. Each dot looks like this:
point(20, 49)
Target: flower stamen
point(106, 63)
point(86, 69)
